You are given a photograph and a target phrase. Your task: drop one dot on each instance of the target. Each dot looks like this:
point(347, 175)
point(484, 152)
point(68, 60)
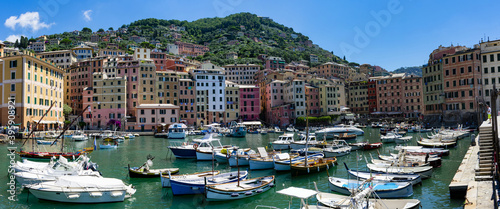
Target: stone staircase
point(484, 169)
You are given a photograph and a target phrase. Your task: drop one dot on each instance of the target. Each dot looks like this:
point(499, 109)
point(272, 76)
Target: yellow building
point(331, 95)
point(166, 87)
point(31, 84)
point(232, 101)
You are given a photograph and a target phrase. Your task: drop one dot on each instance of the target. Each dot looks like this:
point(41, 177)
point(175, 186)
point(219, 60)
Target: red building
point(372, 96)
point(312, 101)
point(192, 50)
point(160, 60)
point(249, 102)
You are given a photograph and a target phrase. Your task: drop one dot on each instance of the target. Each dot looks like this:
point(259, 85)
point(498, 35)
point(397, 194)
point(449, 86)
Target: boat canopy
point(297, 192)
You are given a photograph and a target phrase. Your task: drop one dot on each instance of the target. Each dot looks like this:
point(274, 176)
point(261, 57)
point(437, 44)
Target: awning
point(252, 123)
point(48, 122)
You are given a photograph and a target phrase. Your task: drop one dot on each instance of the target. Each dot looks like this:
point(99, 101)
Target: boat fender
point(318, 168)
point(327, 167)
point(307, 169)
point(249, 193)
point(258, 190)
point(271, 184)
point(235, 194)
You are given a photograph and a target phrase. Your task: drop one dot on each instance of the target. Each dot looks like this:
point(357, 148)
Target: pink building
point(389, 98)
point(312, 101)
point(249, 102)
point(282, 115)
point(273, 98)
point(149, 116)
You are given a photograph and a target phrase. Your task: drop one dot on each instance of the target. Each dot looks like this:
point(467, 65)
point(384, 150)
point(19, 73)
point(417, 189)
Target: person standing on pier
point(489, 114)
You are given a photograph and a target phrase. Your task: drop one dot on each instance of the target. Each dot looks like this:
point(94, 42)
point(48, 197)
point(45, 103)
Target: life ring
point(195, 146)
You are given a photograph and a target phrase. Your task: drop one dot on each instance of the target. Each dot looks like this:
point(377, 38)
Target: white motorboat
point(39, 176)
point(210, 146)
point(79, 136)
point(311, 140)
point(403, 140)
point(283, 142)
point(82, 189)
point(177, 131)
point(389, 137)
point(243, 157)
point(337, 148)
point(239, 190)
point(330, 200)
point(380, 188)
point(330, 133)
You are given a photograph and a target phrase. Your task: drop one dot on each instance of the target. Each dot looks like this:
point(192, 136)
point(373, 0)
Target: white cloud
point(26, 20)
point(86, 15)
point(13, 38)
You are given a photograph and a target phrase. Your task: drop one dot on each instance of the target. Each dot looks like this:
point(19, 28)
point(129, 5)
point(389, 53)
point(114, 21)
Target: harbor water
point(433, 193)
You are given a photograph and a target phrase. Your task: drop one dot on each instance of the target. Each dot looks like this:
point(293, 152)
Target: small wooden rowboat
point(239, 190)
point(314, 165)
point(346, 136)
point(165, 179)
point(373, 146)
point(141, 172)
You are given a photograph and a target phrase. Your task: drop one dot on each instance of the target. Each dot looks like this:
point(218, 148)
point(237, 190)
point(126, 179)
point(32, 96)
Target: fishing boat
point(263, 161)
point(424, 171)
point(436, 143)
point(373, 146)
point(403, 140)
point(309, 150)
point(346, 136)
point(404, 158)
point(165, 179)
point(330, 133)
point(263, 131)
point(380, 188)
point(197, 185)
point(283, 142)
point(106, 134)
point(237, 130)
point(278, 130)
point(82, 189)
point(358, 145)
point(282, 161)
point(145, 172)
point(330, 200)
point(45, 142)
point(240, 157)
point(313, 165)
point(224, 154)
point(387, 177)
point(187, 149)
point(420, 150)
point(177, 131)
point(239, 190)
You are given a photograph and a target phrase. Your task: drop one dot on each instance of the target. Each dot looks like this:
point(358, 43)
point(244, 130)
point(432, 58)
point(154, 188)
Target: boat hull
point(79, 197)
point(190, 187)
point(281, 146)
point(134, 173)
point(214, 194)
point(177, 135)
point(165, 179)
point(398, 192)
point(260, 164)
point(183, 152)
point(204, 156)
point(242, 161)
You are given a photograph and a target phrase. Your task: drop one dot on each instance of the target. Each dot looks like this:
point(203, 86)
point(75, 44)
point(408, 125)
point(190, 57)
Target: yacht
point(330, 133)
point(177, 131)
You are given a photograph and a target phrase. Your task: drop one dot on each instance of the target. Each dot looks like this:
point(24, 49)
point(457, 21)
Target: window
point(12, 87)
point(13, 63)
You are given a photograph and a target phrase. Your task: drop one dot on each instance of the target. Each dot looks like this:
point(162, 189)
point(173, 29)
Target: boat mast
point(33, 129)
point(238, 168)
point(67, 127)
point(307, 137)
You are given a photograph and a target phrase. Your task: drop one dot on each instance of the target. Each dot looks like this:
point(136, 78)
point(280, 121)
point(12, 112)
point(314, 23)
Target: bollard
point(473, 140)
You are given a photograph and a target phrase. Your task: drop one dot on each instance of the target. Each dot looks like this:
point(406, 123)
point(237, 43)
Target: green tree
point(66, 41)
point(100, 30)
point(144, 44)
point(16, 44)
point(67, 110)
point(86, 30)
point(110, 28)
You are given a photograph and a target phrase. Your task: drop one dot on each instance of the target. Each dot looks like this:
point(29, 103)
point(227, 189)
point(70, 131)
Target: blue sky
point(388, 33)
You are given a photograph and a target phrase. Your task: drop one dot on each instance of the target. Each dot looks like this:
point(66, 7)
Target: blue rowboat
point(197, 185)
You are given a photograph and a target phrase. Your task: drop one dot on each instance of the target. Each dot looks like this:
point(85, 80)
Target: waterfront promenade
point(473, 177)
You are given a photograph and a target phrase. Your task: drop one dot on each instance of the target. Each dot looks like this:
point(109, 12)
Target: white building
point(210, 91)
point(142, 53)
point(295, 94)
point(37, 46)
point(62, 58)
point(172, 48)
point(490, 64)
point(83, 52)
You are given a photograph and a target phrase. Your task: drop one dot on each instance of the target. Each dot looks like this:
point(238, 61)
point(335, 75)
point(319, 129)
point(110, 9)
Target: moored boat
point(380, 189)
point(144, 171)
point(239, 190)
point(197, 185)
point(388, 177)
point(283, 142)
point(165, 179)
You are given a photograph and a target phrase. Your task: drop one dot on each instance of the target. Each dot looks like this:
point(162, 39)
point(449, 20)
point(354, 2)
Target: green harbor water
point(433, 193)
